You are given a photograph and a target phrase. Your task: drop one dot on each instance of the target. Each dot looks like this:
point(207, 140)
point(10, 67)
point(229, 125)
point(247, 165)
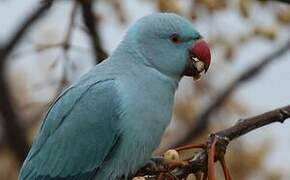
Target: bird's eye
point(175, 38)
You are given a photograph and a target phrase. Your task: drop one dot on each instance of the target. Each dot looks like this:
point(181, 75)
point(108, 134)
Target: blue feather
point(106, 125)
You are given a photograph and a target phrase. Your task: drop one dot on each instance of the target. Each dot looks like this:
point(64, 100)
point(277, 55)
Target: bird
point(106, 125)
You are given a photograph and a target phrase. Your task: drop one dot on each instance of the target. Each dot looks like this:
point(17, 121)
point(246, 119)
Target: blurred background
point(60, 47)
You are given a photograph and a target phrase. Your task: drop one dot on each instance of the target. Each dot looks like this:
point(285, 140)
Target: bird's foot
point(154, 167)
point(156, 162)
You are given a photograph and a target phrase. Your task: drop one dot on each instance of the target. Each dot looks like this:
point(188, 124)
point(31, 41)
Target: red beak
point(198, 59)
point(201, 51)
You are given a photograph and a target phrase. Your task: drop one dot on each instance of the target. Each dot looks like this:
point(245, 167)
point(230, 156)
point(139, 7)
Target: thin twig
point(71, 25)
point(203, 119)
point(92, 27)
point(13, 132)
point(66, 45)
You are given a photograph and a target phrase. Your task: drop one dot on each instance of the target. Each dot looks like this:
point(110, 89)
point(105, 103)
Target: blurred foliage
point(243, 162)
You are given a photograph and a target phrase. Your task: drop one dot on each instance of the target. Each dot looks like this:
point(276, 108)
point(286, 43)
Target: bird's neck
point(128, 51)
point(128, 54)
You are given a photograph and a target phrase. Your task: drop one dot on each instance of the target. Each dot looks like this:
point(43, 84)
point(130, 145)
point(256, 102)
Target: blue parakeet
point(106, 125)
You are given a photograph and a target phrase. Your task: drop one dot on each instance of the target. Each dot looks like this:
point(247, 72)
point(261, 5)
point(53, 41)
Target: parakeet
point(107, 124)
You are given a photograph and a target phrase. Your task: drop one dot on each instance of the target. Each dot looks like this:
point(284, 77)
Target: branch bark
point(283, 1)
point(199, 162)
point(244, 126)
point(204, 118)
point(92, 27)
point(13, 132)
point(241, 128)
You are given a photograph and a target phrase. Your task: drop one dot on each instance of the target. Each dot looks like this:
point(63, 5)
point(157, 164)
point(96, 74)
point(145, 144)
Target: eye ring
point(175, 38)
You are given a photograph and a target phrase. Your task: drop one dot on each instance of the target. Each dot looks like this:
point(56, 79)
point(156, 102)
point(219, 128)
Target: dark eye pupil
point(175, 39)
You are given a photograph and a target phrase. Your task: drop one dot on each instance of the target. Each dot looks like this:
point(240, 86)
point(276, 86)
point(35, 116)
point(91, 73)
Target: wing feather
point(77, 134)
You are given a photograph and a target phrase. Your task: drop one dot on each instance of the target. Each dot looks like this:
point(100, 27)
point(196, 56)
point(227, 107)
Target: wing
point(77, 134)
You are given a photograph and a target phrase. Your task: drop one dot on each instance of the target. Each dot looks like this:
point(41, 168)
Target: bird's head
point(170, 44)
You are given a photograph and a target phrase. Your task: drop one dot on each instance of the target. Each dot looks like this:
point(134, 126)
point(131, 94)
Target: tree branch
point(92, 27)
point(204, 118)
point(66, 45)
point(199, 162)
point(283, 1)
point(13, 132)
point(241, 128)
point(24, 27)
point(244, 126)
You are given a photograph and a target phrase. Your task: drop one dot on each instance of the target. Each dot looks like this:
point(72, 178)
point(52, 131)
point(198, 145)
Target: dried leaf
point(245, 7)
point(229, 51)
point(269, 33)
point(169, 6)
point(283, 17)
point(263, 2)
point(212, 5)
